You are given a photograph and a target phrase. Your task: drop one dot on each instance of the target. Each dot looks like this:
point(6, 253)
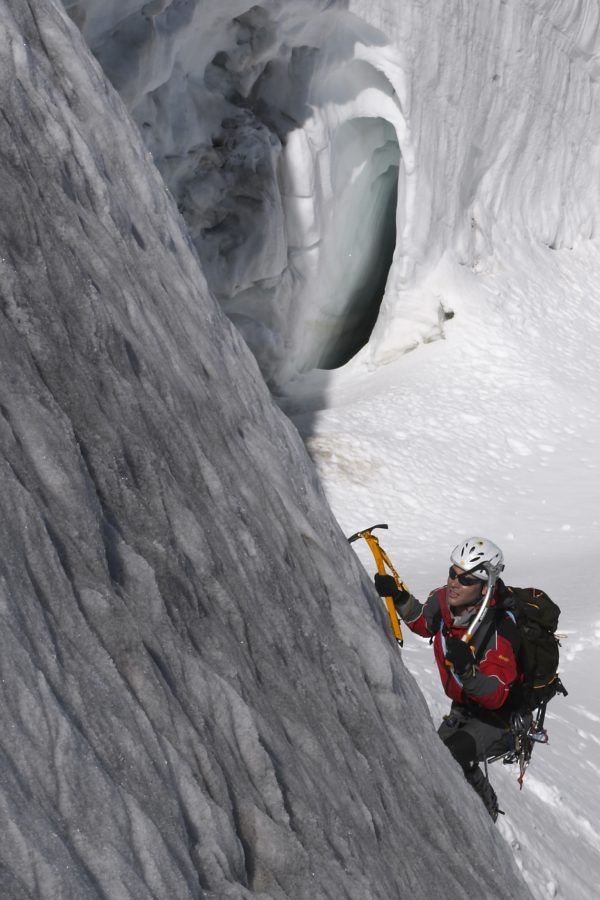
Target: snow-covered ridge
point(289, 133)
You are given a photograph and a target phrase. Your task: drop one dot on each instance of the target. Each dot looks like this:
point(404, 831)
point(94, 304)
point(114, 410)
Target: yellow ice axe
point(382, 560)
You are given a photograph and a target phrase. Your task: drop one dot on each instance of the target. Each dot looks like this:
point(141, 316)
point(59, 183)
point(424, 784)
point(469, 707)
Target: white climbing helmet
point(475, 550)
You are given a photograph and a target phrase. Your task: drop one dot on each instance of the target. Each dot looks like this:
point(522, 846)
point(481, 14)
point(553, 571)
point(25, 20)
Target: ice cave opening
point(277, 136)
point(361, 238)
point(344, 260)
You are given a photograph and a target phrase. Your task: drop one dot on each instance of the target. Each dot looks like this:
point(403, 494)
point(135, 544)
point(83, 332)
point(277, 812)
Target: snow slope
point(199, 698)
point(495, 430)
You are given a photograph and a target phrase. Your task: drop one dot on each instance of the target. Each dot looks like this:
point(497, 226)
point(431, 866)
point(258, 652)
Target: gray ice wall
point(199, 697)
point(325, 151)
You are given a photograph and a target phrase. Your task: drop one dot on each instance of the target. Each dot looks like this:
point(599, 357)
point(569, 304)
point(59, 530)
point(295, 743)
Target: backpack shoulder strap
point(483, 634)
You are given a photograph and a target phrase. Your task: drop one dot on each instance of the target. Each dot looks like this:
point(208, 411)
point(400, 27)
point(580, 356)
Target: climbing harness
point(382, 560)
point(526, 732)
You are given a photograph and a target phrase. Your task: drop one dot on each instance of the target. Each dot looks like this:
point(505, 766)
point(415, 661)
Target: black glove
point(460, 656)
point(386, 586)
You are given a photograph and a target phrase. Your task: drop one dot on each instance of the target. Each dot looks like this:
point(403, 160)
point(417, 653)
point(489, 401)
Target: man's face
point(463, 594)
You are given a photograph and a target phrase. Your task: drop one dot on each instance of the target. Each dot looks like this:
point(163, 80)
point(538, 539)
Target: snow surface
point(495, 430)
point(199, 696)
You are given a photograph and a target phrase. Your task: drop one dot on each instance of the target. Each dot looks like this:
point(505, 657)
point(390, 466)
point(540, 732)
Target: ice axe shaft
point(382, 560)
point(492, 572)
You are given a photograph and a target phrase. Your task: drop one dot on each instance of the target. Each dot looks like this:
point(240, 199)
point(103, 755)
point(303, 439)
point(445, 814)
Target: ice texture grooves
point(199, 697)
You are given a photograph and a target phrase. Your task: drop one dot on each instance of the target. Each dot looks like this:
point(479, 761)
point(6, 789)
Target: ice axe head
point(364, 532)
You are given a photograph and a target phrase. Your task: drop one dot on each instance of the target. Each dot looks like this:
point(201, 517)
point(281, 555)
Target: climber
point(480, 676)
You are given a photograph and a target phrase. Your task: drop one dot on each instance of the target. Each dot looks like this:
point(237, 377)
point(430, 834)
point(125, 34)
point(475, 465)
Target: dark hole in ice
point(369, 247)
point(367, 296)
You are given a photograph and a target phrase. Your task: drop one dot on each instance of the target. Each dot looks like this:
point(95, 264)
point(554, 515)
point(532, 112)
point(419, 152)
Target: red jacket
point(496, 644)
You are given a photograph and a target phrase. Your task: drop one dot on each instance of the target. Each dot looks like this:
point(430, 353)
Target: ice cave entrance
point(365, 164)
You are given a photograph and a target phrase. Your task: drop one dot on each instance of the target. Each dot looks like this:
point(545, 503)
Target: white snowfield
point(495, 431)
point(200, 694)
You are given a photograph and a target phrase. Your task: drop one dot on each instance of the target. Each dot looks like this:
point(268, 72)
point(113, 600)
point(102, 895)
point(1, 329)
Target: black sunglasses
point(465, 580)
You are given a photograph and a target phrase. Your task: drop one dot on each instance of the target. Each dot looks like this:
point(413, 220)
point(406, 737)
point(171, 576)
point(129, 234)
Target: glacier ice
point(279, 139)
point(488, 114)
point(199, 696)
